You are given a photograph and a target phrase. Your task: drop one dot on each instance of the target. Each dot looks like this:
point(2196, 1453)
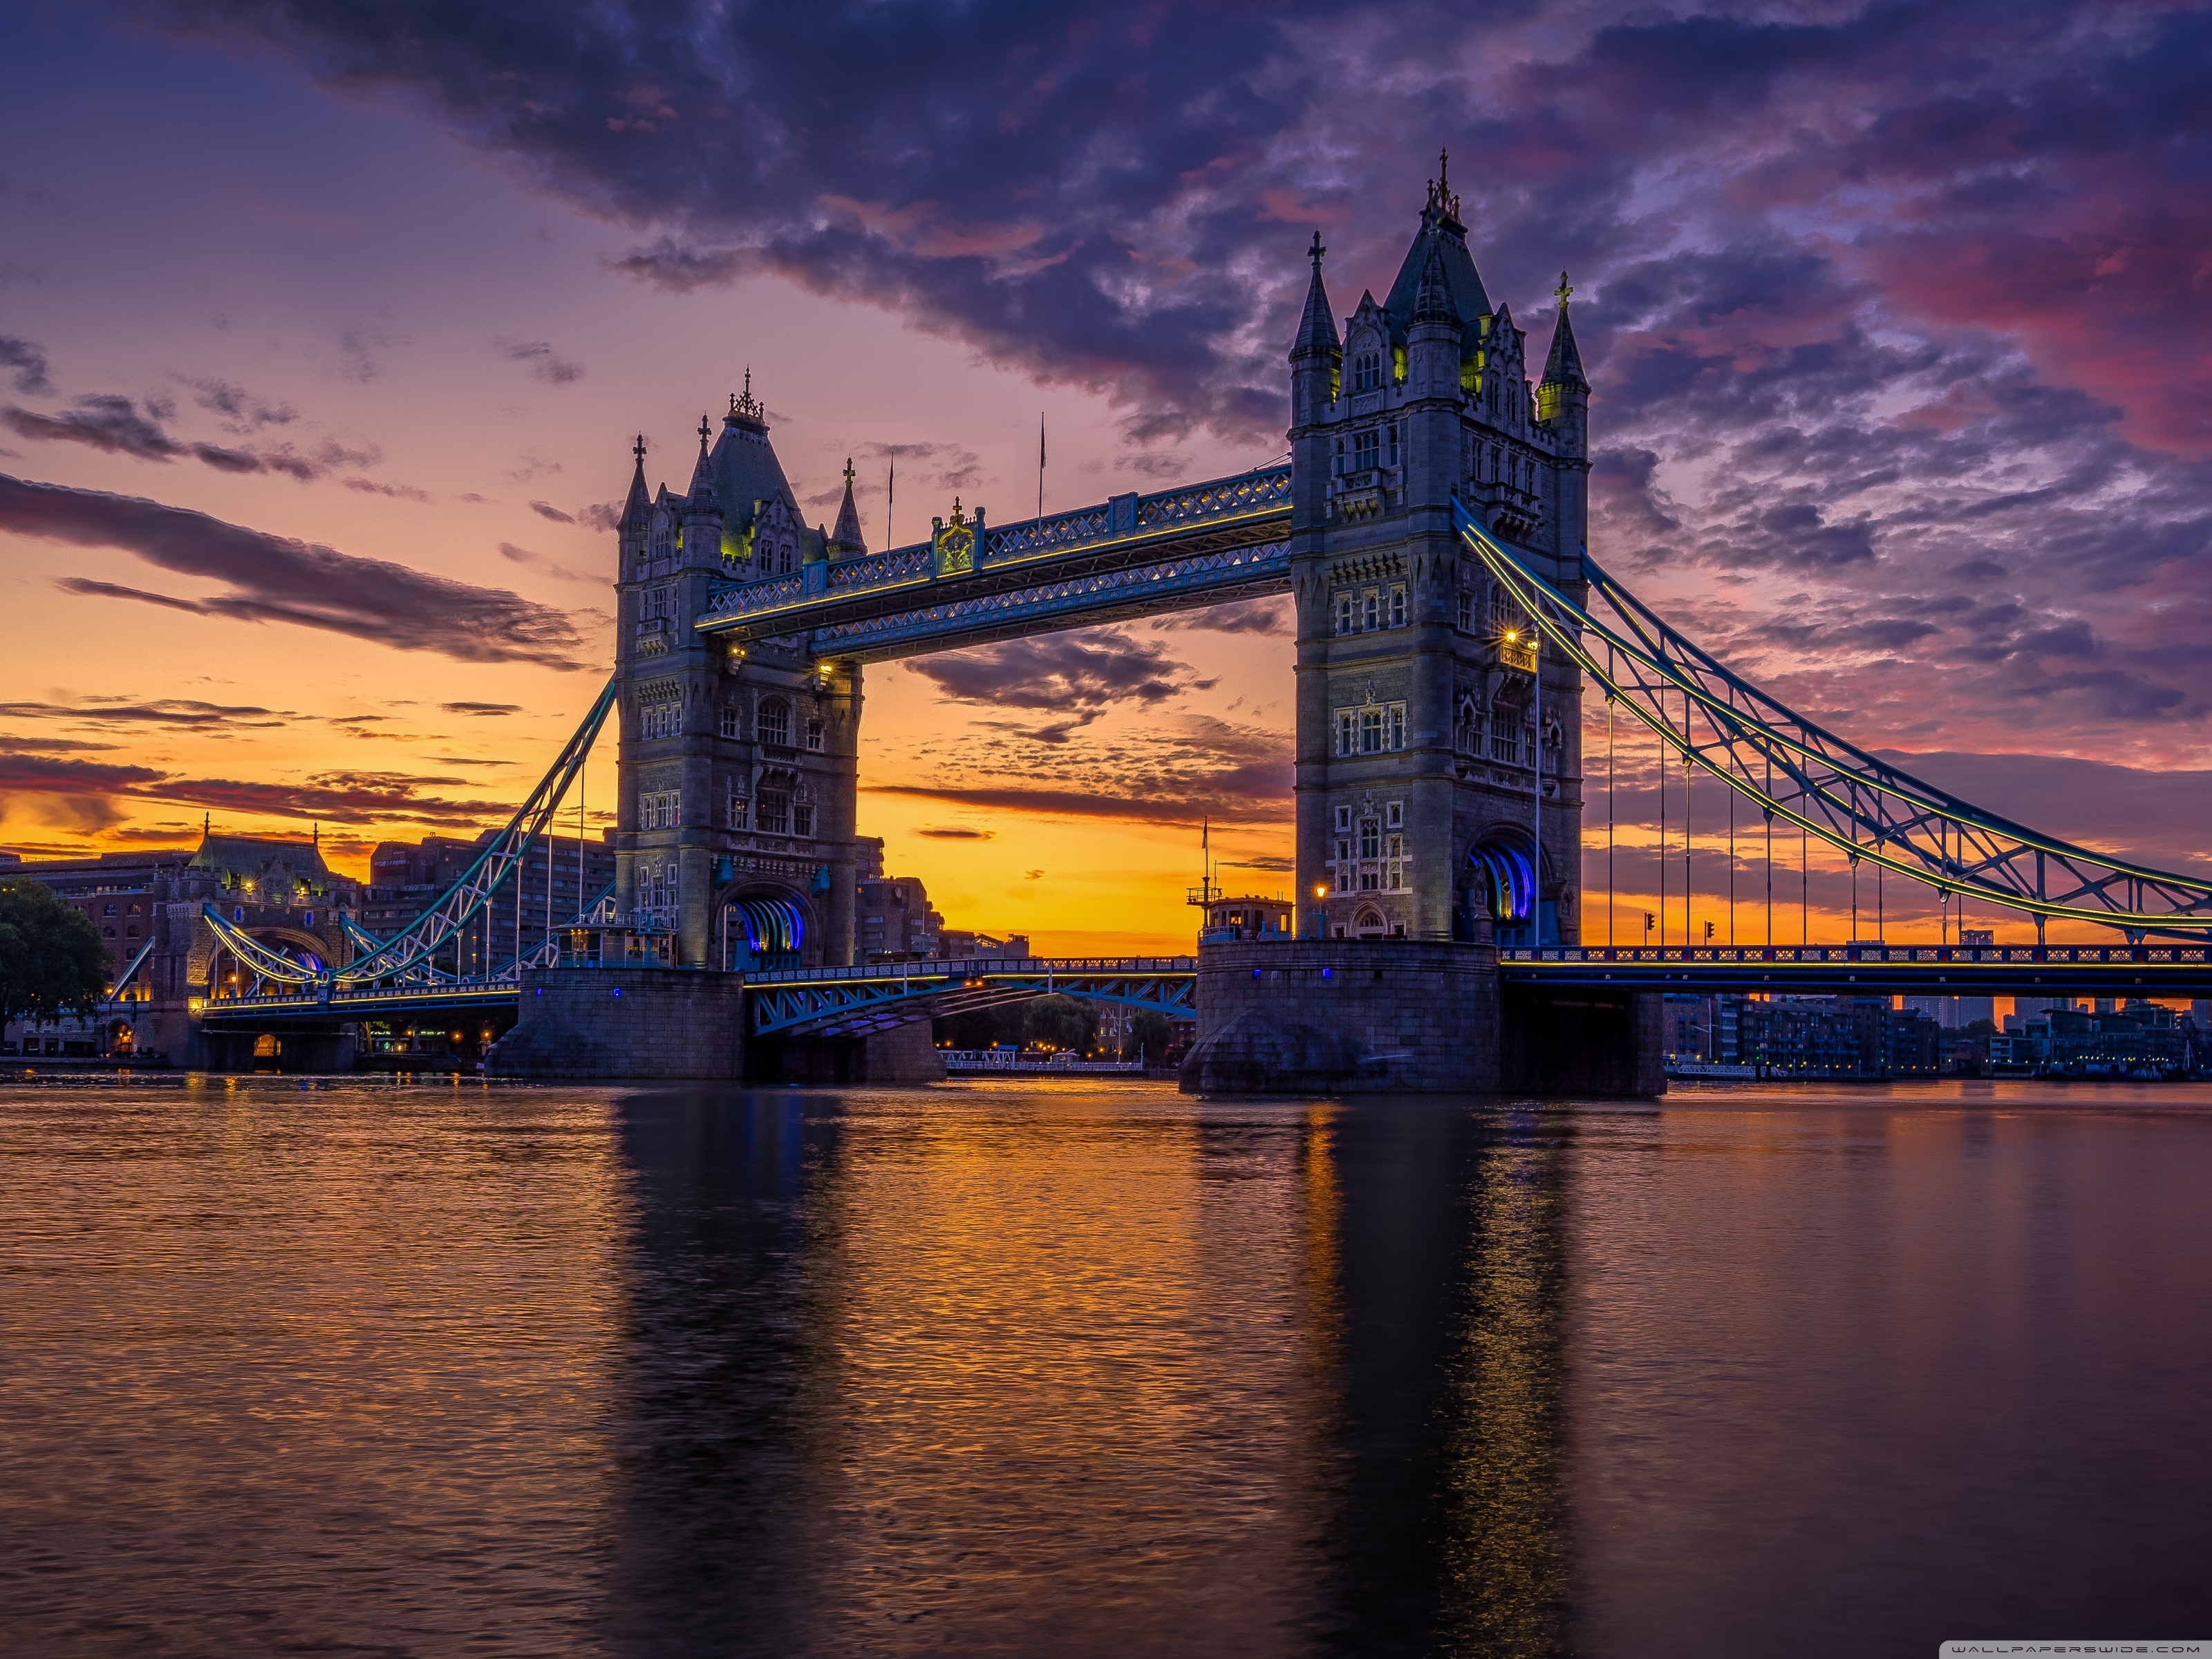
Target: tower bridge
point(1430, 528)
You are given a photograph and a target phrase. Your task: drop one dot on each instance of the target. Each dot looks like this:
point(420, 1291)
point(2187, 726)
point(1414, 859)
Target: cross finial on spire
point(848, 473)
point(1562, 291)
point(1315, 252)
point(703, 430)
point(638, 449)
point(1443, 169)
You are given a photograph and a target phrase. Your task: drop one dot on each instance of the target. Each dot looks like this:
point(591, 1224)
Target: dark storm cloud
point(162, 711)
point(1866, 294)
point(1271, 619)
point(277, 578)
point(120, 425)
point(27, 364)
point(546, 363)
point(1077, 675)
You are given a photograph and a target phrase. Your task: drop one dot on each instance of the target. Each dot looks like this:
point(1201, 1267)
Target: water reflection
point(1047, 1374)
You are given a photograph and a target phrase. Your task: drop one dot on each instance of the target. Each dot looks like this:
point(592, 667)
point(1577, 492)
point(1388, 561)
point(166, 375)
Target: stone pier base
point(624, 1024)
point(905, 1053)
point(1407, 1016)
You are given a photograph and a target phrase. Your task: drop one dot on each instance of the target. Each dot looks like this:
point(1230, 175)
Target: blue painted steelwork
point(2142, 970)
point(1133, 555)
point(851, 1001)
point(1789, 767)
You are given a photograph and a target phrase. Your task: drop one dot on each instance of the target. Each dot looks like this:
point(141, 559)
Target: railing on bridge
point(1945, 969)
point(852, 597)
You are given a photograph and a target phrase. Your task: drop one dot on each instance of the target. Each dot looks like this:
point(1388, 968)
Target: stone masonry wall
point(1330, 1016)
point(628, 1023)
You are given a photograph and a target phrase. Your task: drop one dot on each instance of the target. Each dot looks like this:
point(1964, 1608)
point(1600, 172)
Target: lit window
point(774, 723)
point(736, 810)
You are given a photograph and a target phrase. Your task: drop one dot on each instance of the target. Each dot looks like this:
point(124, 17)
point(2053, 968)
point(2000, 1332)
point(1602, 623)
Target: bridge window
point(1370, 838)
point(814, 735)
point(1503, 745)
point(802, 819)
point(1366, 448)
point(1465, 611)
point(1370, 730)
point(774, 812)
point(1394, 443)
point(1397, 607)
point(1394, 815)
point(774, 724)
point(1346, 619)
point(730, 728)
point(1367, 370)
point(1344, 817)
point(736, 809)
point(1371, 607)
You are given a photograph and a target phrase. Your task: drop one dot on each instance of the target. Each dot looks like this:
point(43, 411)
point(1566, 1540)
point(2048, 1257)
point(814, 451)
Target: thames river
point(348, 1366)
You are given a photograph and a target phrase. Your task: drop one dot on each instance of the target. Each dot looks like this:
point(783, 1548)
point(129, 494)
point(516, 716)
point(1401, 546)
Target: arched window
point(773, 724)
point(1370, 925)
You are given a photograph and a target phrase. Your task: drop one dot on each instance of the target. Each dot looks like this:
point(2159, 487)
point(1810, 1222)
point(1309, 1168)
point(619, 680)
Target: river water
point(351, 1366)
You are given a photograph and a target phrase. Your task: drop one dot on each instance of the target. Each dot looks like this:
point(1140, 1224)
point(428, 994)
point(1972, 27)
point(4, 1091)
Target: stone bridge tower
point(1439, 754)
point(738, 766)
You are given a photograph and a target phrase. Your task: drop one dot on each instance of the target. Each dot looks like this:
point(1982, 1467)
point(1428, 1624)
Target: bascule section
point(735, 840)
point(1439, 766)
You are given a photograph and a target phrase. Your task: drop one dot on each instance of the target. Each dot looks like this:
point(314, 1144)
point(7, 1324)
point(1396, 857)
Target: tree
point(1149, 1035)
point(1061, 1022)
point(51, 961)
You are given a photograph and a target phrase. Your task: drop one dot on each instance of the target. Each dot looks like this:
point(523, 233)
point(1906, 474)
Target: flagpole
point(891, 488)
point(1040, 463)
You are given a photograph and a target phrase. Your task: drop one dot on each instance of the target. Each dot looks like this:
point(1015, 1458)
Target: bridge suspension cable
point(413, 947)
point(1832, 790)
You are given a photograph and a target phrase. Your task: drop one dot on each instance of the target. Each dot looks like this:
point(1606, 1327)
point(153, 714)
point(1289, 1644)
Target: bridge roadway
point(971, 583)
point(852, 1001)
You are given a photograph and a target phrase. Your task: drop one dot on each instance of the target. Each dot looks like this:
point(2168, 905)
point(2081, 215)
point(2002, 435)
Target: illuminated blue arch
point(1508, 882)
point(772, 927)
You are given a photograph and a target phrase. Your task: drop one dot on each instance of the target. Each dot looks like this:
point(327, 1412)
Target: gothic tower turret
point(738, 767)
point(1438, 765)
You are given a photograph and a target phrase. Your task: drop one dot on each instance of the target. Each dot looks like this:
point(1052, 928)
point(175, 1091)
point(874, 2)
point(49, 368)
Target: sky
point(324, 331)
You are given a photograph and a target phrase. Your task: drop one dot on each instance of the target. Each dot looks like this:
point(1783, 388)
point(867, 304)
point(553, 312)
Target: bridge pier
point(631, 1024)
point(1407, 1016)
point(904, 1053)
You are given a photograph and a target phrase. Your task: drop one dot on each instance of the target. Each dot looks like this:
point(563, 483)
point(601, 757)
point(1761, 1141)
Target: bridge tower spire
point(1425, 767)
point(738, 774)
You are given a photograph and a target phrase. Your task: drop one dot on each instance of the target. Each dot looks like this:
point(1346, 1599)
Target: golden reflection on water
point(1065, 1380)
point(1501, 1549)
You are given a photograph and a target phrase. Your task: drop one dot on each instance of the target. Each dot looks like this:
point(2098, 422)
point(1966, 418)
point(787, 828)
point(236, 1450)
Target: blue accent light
point(1511, 882)
point(617, 990)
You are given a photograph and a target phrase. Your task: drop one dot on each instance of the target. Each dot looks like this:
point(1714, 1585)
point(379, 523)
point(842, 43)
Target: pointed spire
point(746, 409)
point(1564, 366)
point(1316, 328)
point(701, 493)
point(637, 510)
point(847, 537)
point(1432, 300)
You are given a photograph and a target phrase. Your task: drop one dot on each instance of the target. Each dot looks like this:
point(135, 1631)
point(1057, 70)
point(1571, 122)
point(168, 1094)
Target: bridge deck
point(1130, 557)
